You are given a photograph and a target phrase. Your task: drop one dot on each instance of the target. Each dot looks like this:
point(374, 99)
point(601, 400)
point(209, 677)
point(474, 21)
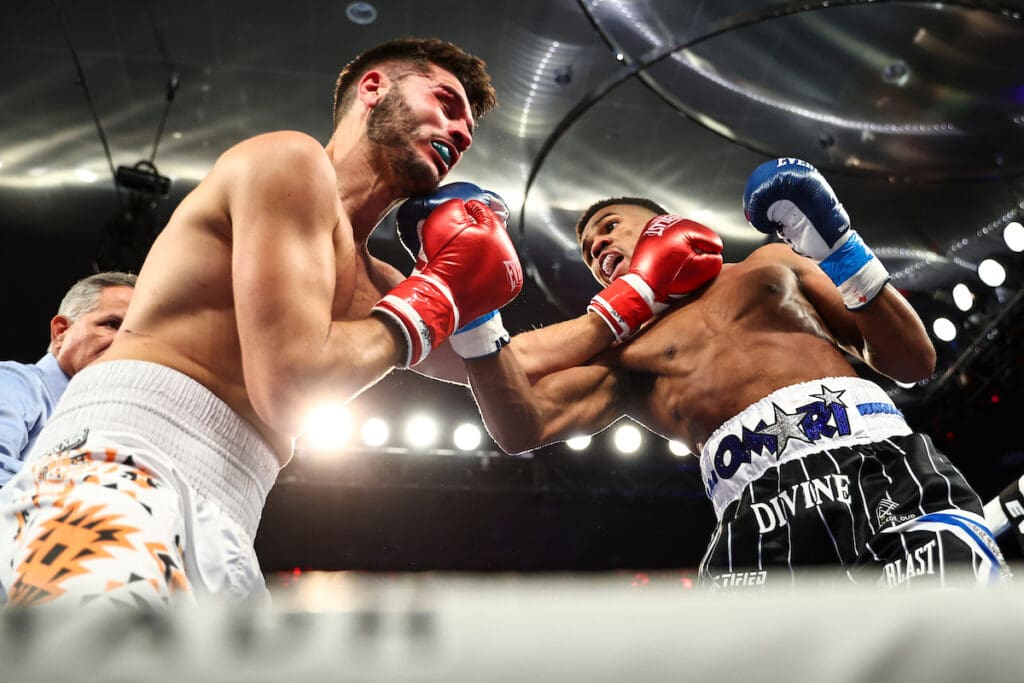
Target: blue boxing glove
point(790, 198)
point(411, 214)
point(484, 336)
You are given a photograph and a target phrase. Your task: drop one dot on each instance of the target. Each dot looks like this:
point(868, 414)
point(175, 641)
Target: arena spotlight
point(327, 428)
point(678, 448)
point(944, 329)
point(991, 272)
point(578, 443)
point(963, 297)
point(467, 437)
point(375, 432)
point(627, 438)
point(1013, 235)
point(421, 431)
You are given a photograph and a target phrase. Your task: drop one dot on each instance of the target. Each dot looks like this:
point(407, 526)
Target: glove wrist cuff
point(481, 338)
point(625, 305)
point(423, 311)
point(856, 271)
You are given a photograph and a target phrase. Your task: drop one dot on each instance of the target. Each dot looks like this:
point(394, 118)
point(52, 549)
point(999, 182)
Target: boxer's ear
point(373, 85)
point(58, 328)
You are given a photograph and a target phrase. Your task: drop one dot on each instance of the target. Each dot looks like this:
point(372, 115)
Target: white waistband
point(791, 423)
point(221, 456)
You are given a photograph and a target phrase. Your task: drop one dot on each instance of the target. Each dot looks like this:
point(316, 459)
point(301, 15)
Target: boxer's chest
point(357, 288)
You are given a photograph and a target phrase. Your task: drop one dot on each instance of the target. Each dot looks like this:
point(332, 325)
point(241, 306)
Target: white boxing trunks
point(144, 488)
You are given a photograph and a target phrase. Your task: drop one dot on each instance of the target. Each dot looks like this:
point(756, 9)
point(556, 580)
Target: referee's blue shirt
point(28, 394)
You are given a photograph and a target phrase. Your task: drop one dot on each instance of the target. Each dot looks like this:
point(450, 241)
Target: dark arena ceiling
point(913, 110)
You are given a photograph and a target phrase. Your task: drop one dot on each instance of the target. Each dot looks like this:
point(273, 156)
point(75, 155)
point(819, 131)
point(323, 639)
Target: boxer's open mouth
point(608, 263)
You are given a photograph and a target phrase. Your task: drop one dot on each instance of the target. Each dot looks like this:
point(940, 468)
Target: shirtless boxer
point(807, 465)
point(258, 300)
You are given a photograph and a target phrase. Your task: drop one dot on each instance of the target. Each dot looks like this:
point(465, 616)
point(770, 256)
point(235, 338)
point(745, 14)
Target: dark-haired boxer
point(806, 464)
point(258, 300)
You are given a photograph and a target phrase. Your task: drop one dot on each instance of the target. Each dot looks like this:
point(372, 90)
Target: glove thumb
point(483, 215)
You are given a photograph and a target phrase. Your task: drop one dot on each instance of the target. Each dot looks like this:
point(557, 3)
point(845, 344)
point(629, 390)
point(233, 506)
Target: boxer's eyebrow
point(590, 229)
point(462, 105)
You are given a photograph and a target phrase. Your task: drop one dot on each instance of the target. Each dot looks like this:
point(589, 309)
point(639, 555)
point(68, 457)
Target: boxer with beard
point(258, 300)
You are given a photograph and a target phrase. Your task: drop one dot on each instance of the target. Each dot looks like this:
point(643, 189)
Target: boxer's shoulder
point(291, 153)
point(278, 141)
point(774, 251)
point(283, 171)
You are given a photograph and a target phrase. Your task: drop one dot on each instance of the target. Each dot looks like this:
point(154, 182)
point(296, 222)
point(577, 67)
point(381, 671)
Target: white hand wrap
point(855, 270)
point(480, 338)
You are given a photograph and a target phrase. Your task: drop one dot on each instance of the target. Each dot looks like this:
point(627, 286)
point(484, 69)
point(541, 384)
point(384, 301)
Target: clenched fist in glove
point(790, 198)
point(413, 213)
point(483, 336)
point(673, 257)
point(468, 268)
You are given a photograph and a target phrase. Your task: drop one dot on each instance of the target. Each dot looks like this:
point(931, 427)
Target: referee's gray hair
point(84, 295)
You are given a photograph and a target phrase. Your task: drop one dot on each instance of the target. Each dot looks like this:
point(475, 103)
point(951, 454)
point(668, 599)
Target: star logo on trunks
point(824, 417)
point(829, 397)
point(785, 428)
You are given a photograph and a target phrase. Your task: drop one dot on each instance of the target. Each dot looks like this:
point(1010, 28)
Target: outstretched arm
point(539, 352)
point(560, 346)
point(521, 416)
point(673, 257)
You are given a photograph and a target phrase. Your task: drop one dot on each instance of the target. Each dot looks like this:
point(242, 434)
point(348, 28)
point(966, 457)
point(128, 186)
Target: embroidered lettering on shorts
point(917, 562)
point(739, 579)
point(775, 512)
point(824, 418)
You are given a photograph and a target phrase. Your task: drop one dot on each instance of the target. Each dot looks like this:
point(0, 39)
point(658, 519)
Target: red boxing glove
point(471, 268)
point(673, 257)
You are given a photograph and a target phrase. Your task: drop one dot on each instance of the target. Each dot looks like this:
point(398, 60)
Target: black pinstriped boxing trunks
point(827, 476)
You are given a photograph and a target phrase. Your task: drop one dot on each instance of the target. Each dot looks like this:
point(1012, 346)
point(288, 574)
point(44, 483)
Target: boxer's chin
point(418, 176)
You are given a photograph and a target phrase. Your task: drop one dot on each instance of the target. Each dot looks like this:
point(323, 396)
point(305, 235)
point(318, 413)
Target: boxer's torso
point(749, 333)
point(182, 313)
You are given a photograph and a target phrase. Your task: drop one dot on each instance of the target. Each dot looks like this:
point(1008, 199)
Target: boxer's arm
point(282, 200)
point(538, 352)
point(442, 363)
point(887, 333)
point(521, 415)
point(790, 198)
point(560, 346)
